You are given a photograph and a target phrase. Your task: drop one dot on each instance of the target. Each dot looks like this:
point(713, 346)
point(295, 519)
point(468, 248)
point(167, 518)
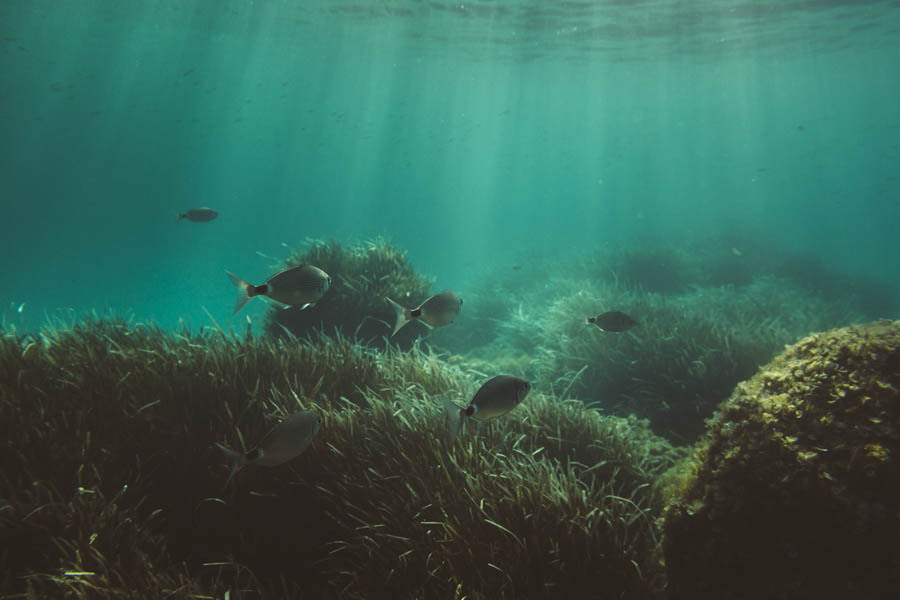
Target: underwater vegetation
point(699, 331)
point(112, 486)
point(687, 354)
point(795, 490)
point(735, 259)
point(709, 315)
point(363, 276)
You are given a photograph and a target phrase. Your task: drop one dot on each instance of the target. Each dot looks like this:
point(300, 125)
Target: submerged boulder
point(795, 490)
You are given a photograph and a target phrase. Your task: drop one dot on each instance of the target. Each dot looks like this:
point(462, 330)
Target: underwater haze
point(478, 136)
point(559, 299)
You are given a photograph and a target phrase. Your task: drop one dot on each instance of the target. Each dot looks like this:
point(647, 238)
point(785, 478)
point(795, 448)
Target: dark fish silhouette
point(496, 397)
point(198, 215)
point(285, 441)
point(302, 286)
point(613, 320)
point(441, 309)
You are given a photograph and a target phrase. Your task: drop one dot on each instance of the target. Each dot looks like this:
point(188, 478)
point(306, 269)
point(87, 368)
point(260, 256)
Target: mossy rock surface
point(795, 490)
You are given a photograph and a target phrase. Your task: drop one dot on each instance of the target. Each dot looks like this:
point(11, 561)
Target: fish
point(437, 311)
point(496, 397)
point(613, 320)
point(198, 215)
point(302, 286)
point(284, 442)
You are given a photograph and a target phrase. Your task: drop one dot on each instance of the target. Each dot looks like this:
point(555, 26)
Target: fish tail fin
point(453, 417)
point(238, 460)
point(402, 315)
point(179, 217)
point(245, 291)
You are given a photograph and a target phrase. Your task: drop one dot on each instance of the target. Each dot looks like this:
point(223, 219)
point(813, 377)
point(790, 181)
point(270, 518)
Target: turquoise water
point(476, 135)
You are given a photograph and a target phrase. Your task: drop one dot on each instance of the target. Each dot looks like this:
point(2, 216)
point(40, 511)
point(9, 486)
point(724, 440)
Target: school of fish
point(303, 286)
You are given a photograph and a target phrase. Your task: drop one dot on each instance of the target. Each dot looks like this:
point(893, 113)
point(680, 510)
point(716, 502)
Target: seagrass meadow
point(112, 487)
point(707, 319)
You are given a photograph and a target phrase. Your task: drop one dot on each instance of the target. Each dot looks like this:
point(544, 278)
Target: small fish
point(198, 215)
point(21, 308)
point(613, 320)
point(302, 286)
point(284, 442)
point(496, 397)
point(736, 252)
point(441, 309)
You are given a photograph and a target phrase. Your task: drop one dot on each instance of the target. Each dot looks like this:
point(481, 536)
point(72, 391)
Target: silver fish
point(437, 311)
point(613, 320)
point(302, 286)
point(496, 397)
point(285, 441)
point(198, 215)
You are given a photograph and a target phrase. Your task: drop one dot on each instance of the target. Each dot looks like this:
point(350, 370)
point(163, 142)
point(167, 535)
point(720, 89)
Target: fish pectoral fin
point(237, 459)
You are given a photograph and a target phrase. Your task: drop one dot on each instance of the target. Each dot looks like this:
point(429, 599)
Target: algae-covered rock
point(362, 276)
point(795, 491)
